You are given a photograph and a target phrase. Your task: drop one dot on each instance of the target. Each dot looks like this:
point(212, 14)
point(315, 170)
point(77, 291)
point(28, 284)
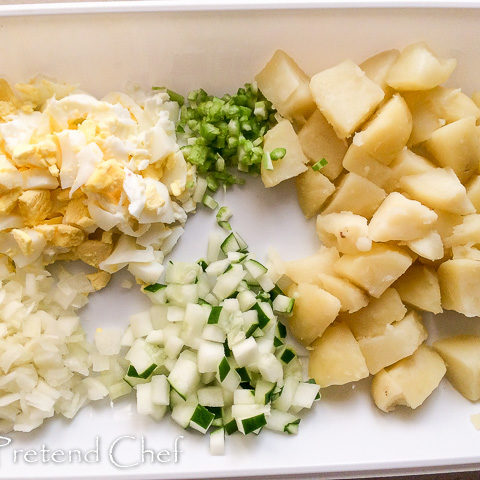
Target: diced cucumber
point(127, 338)
point(283, 304)
point(217, 442)
point(265, 314)
point(264, 391)
point(243, 397)
point(175, 314)
point(245, 352)
point(201, 419)
point(285, 399)
point(217, 268)
point(230, 244)
point(215, 239)
point(214, 314)
point(210, 397)
point(160, 390)
point(255, 269)
point(144, 399)
point(180, 295)
point(223, 369)
point(305, 395)
point(141, 324)
point(155, 337)
point(228, 282)
point(210, 355)
point(182, 414)
point(214, 333)
point(280, 421)
point(266, 282)
point(200, 189)
point(287, 355)
point(246, 300)
point(184, 377)
point(270, 368)
point(182, 272)
point(119, 389)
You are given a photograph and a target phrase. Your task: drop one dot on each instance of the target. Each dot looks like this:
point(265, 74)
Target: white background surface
point(220, 51)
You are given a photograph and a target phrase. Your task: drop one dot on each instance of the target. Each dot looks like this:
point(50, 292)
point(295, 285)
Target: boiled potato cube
point(406, 163)
point(380, 312)
point(345, 96)
point(460, 286)
point(438, 188)
point(462, 356)
point(314, 310)
point(446, 222)
point(431, 109)
point(466, 251)
point(429, 247)
point(467, 232)
point(419, 288)
point(399, 340)
point(457, 145)
point(473, 192)
point(377, 67)
point(375, 270)
point(336, 358)
point(417, 68)
point(305, 270)
point(286, 85)
point(345, 231)
point(319, 140)
point(410, 381)
point(357, 195)
point(387, 132)
point(313, 189)
point(293, 163)
point(399, 218)
point(359, 161)
point(351, 297)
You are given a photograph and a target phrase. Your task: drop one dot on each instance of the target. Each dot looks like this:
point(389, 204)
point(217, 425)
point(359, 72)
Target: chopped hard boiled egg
point(73, 167)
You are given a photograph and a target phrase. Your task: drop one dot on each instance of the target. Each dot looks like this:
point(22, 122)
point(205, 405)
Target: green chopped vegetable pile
point(224, 133)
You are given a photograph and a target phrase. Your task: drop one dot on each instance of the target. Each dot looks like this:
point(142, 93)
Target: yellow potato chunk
point(377, 67)
point(399, 340)
point(305, 270)
point(457, 145)
point(286, 85)
point(406, 163)
point(359, 161)
point(308, 321)
point(380, 312)
point(467, 232)
point(375, 270)
point(410, 381)
point(438, 188)
point(429, 247)
point(446, 222)
point(345, 231)
point(351, 297)
point(462, 356)
point(336, 358)
point(345, 96)
point(460, 286)
point(419, 288)
point(466, 251)
point(473, 192)
point(387, 132)
point(399, 218)
point(357, 195)
point(417, 68)
point(292, 164)
point(431, 109)
point(319, 140)
point(313, 189)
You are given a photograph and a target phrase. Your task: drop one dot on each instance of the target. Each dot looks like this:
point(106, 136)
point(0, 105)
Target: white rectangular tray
point(219, 50)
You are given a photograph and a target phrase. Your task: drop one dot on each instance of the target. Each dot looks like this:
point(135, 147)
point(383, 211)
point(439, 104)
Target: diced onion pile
point(46, 362)
point(212, 349)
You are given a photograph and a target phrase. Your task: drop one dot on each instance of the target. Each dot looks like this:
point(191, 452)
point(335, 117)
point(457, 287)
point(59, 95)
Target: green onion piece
point(176, 97)
point(154, 287)
point(278, 153)
point(267, 162)
point(319, 165)
point(209, 202)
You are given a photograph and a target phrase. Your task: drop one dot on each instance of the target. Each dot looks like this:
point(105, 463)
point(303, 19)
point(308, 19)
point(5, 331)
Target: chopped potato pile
point(102, 181)
point(389, 162)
